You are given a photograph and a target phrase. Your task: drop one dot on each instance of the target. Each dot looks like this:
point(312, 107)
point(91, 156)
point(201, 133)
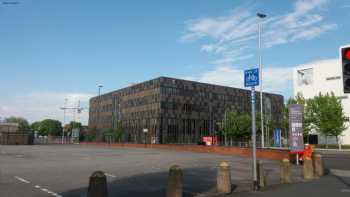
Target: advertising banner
point(296, 139)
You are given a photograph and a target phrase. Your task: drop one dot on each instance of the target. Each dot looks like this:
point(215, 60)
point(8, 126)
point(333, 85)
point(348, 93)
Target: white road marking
point(39, 187)
point(341, 173)
point(47, 191)
point(21, 179)
point(110, 175)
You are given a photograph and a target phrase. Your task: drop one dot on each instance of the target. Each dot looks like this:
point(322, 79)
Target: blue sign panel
point(251, 77)
point(277, 142)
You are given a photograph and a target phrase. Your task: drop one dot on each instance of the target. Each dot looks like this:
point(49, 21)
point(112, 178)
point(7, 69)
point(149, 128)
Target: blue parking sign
point(251, 77)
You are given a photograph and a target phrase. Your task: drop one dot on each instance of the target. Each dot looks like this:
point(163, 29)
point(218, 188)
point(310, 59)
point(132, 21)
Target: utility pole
point(260, 18)
point(77, 110)
point(64, 108)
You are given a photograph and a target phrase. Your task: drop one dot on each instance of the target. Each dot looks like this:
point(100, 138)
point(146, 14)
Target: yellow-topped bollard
point(97, 185)
point(223, 181)
point(175, 182)
point(308, 169)
point(285, 175)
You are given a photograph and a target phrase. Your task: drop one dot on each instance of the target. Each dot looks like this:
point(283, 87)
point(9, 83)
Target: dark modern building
point(173, 110)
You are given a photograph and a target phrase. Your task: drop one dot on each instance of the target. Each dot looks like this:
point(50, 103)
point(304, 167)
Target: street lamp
point(261, 16)
point(99, 89)
point(145, 131)
point(99, 86)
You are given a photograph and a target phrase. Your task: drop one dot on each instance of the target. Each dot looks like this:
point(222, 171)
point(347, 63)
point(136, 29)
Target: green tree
point(22, 122)
point(75, 125)
point(244, 123)
point(238, 126)
point(119, 131)
point(50, 127)
point(91, 134)
point(230, 124)
point(35, 126)
point(114, 134)
point(326, 115)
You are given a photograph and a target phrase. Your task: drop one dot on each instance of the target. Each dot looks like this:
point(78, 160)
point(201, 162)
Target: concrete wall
point(14, 138)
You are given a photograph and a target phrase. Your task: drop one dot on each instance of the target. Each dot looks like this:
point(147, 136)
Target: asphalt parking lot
point(64, 170)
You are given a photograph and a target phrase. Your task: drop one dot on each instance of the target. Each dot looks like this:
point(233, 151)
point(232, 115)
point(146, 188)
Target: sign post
point(296, 139)
point(251, 79)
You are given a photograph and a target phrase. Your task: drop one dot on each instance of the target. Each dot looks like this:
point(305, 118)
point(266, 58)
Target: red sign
point(210, 140)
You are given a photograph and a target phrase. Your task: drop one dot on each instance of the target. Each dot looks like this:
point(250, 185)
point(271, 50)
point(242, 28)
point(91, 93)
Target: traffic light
point(345, 61)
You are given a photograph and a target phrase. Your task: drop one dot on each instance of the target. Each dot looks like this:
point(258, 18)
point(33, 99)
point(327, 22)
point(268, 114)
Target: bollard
point(97, 185)
point(223, 180)
point(261, 174)
point(285, 171)
point(174, 182)
point(318, 165)
point(308, 169)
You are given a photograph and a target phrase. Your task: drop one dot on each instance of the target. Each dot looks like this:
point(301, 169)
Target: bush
point(89, 137)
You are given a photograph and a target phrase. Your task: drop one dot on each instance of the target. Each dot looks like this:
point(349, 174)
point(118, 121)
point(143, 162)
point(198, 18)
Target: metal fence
point(53, 140)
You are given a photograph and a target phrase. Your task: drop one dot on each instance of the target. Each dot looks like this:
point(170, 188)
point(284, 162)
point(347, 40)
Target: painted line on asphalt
point(38, 187)
point(47, 191)
point(341, 173)
point(110, 175)
point(21, 179)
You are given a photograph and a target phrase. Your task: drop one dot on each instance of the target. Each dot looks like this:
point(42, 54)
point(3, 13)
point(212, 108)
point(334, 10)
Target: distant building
point(173, 110)
point(322, 77)
point(11, 135)
point(9, 127)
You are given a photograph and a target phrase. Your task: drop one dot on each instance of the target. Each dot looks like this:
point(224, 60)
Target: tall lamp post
point(99, 86)
point(261, 16)
point(99, 89)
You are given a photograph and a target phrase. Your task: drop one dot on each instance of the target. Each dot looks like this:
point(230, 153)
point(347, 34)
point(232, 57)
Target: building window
point(305, 76)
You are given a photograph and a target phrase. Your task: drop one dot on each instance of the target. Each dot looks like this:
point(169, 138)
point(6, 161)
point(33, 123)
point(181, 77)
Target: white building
point(323, 76)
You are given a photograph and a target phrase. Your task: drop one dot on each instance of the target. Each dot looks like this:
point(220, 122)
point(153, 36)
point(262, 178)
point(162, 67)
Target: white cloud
point(41, 105)
point(275, 79)
point(225, 35)
point(313, 32)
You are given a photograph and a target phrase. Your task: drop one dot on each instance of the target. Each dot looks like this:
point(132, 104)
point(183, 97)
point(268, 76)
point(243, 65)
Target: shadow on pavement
point(154, 184)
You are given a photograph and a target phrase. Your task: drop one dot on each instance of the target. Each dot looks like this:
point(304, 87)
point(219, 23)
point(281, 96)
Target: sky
point(52, 50)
